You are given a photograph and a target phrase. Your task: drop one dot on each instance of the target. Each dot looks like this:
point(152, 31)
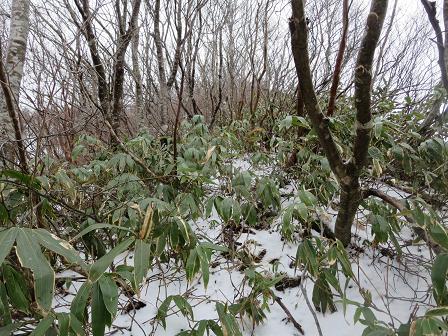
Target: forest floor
point(399, 285)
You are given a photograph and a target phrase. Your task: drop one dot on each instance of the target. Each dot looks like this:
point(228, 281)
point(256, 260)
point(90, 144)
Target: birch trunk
point(163, 87)
point(15, 59)
point(138, 81)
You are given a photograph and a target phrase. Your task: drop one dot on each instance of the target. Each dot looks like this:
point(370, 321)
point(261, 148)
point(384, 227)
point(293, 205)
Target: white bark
point(15, 59)
point(139, 109)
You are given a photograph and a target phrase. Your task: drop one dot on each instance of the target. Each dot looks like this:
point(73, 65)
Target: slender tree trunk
point(349, 201)
point(119, 65)
point(165, 84)
point(347, 173)
point(138, 81)
point(15, 59)
point(434, 115)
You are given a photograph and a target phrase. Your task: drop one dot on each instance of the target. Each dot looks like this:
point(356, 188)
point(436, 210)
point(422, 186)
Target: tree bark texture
point(347, 173)
point(10, 132)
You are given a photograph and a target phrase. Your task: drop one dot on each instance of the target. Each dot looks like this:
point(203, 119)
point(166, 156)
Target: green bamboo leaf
point(215, 247)
point(163, 311)
point(439, 311)
point(76, 326)
point(109, 289)
point(343, 259)
point(438, 234)
point(7, 238)
point(8, 329)
point(202, 327)
point(322, 296)
point(204, 262)
point(98, 226)
point(183, 305)
point(100, 266)
point(99, 312)
point(5, 313)
point(141, 260)
point(184, 229)
point(63, 323)
point(16, 288)
point(229, 324)
point(215, 328)
point(306, 254)
point(438, 275)
point(191, 266)
point(79, 303)
point(28, 180)
point(43, 326)
point(59, 246)
point(308, 198)
point(30, 256)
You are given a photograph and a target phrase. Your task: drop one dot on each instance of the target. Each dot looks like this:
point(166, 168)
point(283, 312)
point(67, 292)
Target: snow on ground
point(395, 289)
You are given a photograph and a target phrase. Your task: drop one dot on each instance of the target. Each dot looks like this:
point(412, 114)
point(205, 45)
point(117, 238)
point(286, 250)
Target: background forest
point(205, 167)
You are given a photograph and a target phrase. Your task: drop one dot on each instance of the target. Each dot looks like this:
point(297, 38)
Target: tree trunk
point(350, 199)
point(163, 87)
point(139, 109)
point(347, 173)
point(15, 59)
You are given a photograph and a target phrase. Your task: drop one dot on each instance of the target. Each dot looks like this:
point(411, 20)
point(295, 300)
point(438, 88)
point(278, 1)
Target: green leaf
point(7, 238)
point(322, 296)
point(215, 328)
point(109, 290)
point(204, 261)
point(184, 229)
point(249, 213)
point(380, 228)
point(100, 266)
point(98, 226)
point(43, 326)
point(375, 153)
point(183, 305)
point(63, 323)
point(163, 311)
point(343, 259)
point(226, 209)
point(99, 312)
point(3, 214)
point(7, 330)
point(5, 313)
point(142, 259)
point(78, 306)
point(16, 288)
point(306, 254)
point(438, 275)
point(192, 264)
point(30, 256)
point(230, 327)
point(215, 247)
point(76, 326)
point(308, 198)
point(28, 180)
point(59, 246)
point(77, 151)
point(332, 280)
point(439, 235)
point(439, 311)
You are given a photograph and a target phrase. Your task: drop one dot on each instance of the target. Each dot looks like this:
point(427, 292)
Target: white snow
point(397, 286)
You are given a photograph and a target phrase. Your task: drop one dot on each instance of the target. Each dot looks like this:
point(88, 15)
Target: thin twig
point(288, 314)
point(339, 59)
point(308, 303)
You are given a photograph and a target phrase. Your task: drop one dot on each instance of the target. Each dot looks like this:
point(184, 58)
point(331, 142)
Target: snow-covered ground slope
point(399, 285)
